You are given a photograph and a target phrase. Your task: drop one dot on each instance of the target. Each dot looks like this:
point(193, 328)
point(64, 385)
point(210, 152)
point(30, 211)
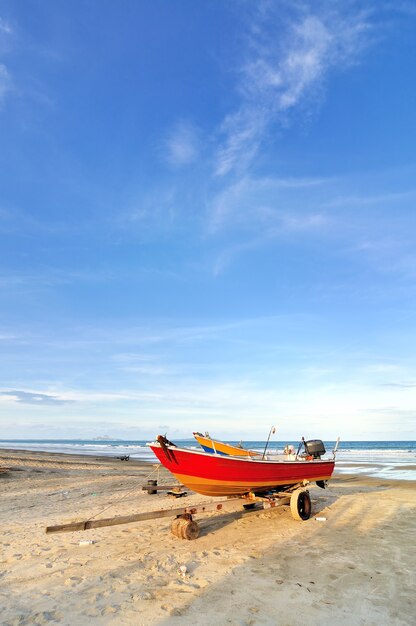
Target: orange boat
point(208, 444)
point(226, 475)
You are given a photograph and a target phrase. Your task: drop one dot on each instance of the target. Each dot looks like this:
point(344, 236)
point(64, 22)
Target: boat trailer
point(185, 527)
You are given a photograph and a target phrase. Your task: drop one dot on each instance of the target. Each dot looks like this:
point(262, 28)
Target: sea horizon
point(118, 439)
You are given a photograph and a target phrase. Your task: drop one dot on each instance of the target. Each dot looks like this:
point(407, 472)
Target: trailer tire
point(300, 504)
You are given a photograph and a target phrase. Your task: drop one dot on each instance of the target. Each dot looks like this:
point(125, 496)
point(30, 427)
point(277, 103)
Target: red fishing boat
point(220, 475)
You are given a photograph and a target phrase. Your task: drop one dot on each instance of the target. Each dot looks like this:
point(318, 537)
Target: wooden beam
point(137, 517)
point(161, 487)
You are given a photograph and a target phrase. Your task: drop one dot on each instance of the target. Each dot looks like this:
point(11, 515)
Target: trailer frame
point(296, 495)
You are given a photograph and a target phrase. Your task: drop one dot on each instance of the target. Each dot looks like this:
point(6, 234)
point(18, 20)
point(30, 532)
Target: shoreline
point(71, 455)
point(353, 567)
point(68, 456)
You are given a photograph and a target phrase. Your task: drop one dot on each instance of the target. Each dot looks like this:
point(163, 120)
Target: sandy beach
point(246, 568)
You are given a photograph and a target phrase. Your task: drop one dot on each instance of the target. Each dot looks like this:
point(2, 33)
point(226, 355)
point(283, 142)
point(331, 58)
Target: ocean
point(382, 459)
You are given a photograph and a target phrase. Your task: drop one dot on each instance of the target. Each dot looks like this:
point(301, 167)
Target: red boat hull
point(216, 475)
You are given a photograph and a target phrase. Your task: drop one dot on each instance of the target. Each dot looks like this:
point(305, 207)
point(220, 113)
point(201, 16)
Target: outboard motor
point(315, 448)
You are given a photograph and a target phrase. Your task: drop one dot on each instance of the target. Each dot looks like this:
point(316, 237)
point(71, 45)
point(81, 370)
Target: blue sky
point(207, 218)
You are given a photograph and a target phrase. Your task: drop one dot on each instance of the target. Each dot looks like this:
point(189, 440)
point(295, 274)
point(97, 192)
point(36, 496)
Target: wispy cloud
point(409, 385)
point(283, 225)
point(28, 397)
point(181, 146)
point(5, 82)
point(144, 364)
point(288, 59)
point(351, 201)
point(53, 277)
point(7, 337)
point(5, 27)
point(264, 201)
point(285, 68)
point(5, 77)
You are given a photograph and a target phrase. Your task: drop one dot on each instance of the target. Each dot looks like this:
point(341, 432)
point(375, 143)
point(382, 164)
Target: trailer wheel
point(300, 504)
point(185, 528)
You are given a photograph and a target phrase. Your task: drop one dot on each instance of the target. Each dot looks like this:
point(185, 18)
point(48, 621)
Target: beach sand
point(257, 567)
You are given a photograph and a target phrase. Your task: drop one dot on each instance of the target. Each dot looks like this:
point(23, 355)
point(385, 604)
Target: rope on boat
point(157, 469)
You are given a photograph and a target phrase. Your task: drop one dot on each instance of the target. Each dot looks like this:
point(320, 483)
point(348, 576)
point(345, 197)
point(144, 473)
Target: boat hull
point(218, 475)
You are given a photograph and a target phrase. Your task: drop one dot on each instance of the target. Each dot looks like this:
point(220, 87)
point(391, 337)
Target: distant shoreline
point(187, 439)
point(67, 456)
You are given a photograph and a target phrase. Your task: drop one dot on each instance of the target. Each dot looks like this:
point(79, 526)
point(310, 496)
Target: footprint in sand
point(108, 610)
point(92, 612)
point(143, 595)
point(202, 582)
point(73, 581)
point(44, 617)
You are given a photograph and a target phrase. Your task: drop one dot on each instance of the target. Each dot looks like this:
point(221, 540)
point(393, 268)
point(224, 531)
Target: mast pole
point(272, 431)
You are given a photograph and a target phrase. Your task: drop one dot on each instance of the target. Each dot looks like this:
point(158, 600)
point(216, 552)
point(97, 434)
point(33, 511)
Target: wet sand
point(246, 568)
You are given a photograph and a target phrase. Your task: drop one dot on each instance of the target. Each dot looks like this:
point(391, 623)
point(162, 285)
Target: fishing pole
point(272, 431)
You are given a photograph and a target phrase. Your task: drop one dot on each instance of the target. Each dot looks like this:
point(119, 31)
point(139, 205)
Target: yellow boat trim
point(223, 448)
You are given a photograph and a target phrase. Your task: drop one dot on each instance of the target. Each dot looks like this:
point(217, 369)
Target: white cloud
point(5, 27)
point(352, 201)
point(269, 379)
point(33, 397)
point(5, 82)
point(7, 337)
point(336, 409)
point(5, 78)
point(265, 202)
point(181, 147)
point(259, 211)
point(283, 78)
point(284, 69)
point(243, 132)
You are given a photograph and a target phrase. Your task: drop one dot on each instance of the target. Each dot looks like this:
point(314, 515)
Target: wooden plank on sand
point(161, 487)
point(137, 517)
